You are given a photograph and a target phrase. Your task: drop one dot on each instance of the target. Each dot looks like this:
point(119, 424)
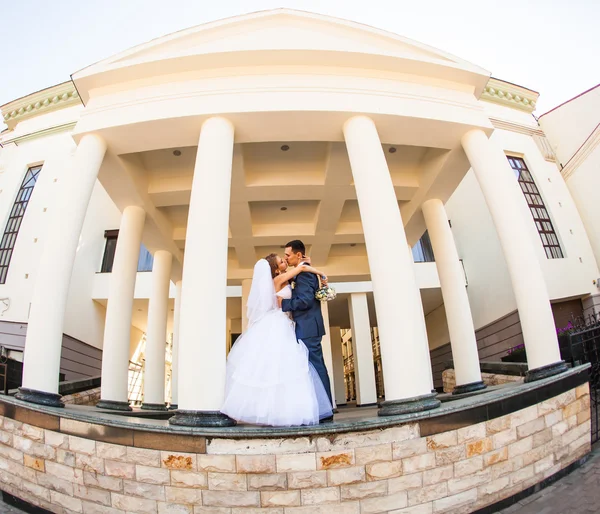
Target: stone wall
point(388, 470)
point(489, 379)
point(89, 397)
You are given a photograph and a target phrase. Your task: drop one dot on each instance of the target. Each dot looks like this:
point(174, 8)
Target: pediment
point(276, 32)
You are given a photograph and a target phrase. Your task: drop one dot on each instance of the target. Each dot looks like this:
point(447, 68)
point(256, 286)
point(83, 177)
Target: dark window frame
point(15, 219)
point(110, 247)
point(537, 207)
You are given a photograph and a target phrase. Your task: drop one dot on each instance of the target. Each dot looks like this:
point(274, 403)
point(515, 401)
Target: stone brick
point(34, 449)
point(553, 417)
point(234, 498)
point(256, 464)
point(558, 402)
point(584, 440)
point(111, 451)
point(35, 489)
point(450, 455)
point(542, 465)
point(31, 432)
point(34, 463)
point(133, 504)
point(183, 494)
point(559, 429)
point(494, 457)
point(522, 474)
point(438, 474)
point(260, 446)
point(95, 508)
point(494, 486)
point(56, 439)
point(103, 482)
point(384, 503)
point(471, 433)
point(62, 471)
point(410, 448)
point(152, 475)
point(254, 510)
point(382, 470)
point(344, 476)
point(11, 453)
point(427, 494)
point(91, 494)
point(152, 492)
point(227, 482)
point(368, 454)
point(583, 416)
point(328, 508)
point(455, 501)
point(405, 483)
point(531, 427)
point(81, 445)
point(173, 508)
point(364, 490)
point(319, 496)
point(218, 463)
point(443, 440)
point(296, 462)
point(458, 485)
point(177, 460)
point(536, 454)
point(335, 459)
point(89, 463)
point(479, 447)
point(65, 457)
point(73, 504)
point(523, 416)
point(54, 483)
point(504, 438)
point(542, 437)
point(199, 509)
point(143, 456)
point(501, 424)
point(189, 479)
point(419, 463)
point(468, 467)
point(267, 482)
point(424, 508)
point(6, 438)
point(307, 479)
point(372, 438)
point(582, 390)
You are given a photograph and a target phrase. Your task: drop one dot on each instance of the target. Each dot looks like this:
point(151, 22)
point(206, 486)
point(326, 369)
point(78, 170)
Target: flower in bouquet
point(325, 294)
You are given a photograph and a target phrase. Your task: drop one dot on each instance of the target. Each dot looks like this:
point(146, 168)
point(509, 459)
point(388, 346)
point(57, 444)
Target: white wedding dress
point(269, 379)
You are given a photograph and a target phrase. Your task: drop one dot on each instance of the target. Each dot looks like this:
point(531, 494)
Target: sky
point(550, 46)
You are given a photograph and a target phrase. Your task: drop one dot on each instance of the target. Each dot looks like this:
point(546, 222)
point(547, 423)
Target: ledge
point(102, 426)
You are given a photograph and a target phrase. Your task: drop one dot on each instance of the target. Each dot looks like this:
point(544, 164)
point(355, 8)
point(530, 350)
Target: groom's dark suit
point(306, 311)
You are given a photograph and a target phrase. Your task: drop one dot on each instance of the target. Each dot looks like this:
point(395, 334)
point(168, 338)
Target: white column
point(45, 324)
point(502, 195)
point(326, 345)
point(175, 356)
point(117, 328)
point(364, 368)
point(454, 293)
point(156, 332)
point(202, 324)
point(246, 286)
point(404, 369)
point(339, 388)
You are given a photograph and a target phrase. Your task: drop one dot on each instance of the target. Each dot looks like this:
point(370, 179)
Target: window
point(145, 259)
point(15, 218)
point(538, 210)
point(422, 251)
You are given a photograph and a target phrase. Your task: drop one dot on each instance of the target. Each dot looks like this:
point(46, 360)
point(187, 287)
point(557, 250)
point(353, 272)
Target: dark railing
point(580, 344)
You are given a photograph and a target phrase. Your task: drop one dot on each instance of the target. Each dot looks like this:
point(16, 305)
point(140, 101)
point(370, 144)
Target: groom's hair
point(297, 246)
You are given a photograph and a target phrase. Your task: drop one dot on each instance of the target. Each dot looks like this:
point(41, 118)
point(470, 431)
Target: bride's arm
point(288, 275)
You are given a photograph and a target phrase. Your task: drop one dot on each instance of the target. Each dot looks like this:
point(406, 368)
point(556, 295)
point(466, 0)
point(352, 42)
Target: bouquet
point(325, 293)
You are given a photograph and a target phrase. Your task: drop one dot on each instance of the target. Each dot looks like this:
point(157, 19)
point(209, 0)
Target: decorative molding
point(41, 133)
point(590, 144)
point(510, 95)
point(534, 132)
point(50, 99)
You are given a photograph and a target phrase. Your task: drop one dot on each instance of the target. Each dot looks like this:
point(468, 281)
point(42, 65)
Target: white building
point(214, 146)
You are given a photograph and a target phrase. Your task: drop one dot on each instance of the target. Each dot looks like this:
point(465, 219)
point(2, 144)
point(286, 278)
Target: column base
point(153, 406)
point(546, 371)
point(173, 406)
point(408, 405)
point(113, 405)
point(198, 418)
point(469, 388)
point(39, 397)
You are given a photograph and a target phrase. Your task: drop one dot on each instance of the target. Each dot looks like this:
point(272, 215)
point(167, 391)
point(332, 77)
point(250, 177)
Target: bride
point(269, 379)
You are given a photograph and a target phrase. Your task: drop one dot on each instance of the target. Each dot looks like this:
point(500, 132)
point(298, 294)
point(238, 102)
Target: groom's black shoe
point(328, 419)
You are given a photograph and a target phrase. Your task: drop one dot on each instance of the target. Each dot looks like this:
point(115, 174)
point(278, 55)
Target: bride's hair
point(272, 260)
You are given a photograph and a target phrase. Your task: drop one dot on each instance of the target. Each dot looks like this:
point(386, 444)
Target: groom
point(306, 311)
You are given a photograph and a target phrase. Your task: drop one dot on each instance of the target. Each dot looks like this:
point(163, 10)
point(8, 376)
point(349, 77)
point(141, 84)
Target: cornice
point(510, 95)
point(590, 144)
point(50, 99)
point(40, 133)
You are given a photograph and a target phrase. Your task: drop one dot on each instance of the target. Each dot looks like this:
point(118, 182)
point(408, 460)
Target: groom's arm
point(304, 294)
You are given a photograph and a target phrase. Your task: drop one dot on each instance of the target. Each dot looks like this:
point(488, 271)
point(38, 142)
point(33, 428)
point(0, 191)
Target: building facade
point(212, 147)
